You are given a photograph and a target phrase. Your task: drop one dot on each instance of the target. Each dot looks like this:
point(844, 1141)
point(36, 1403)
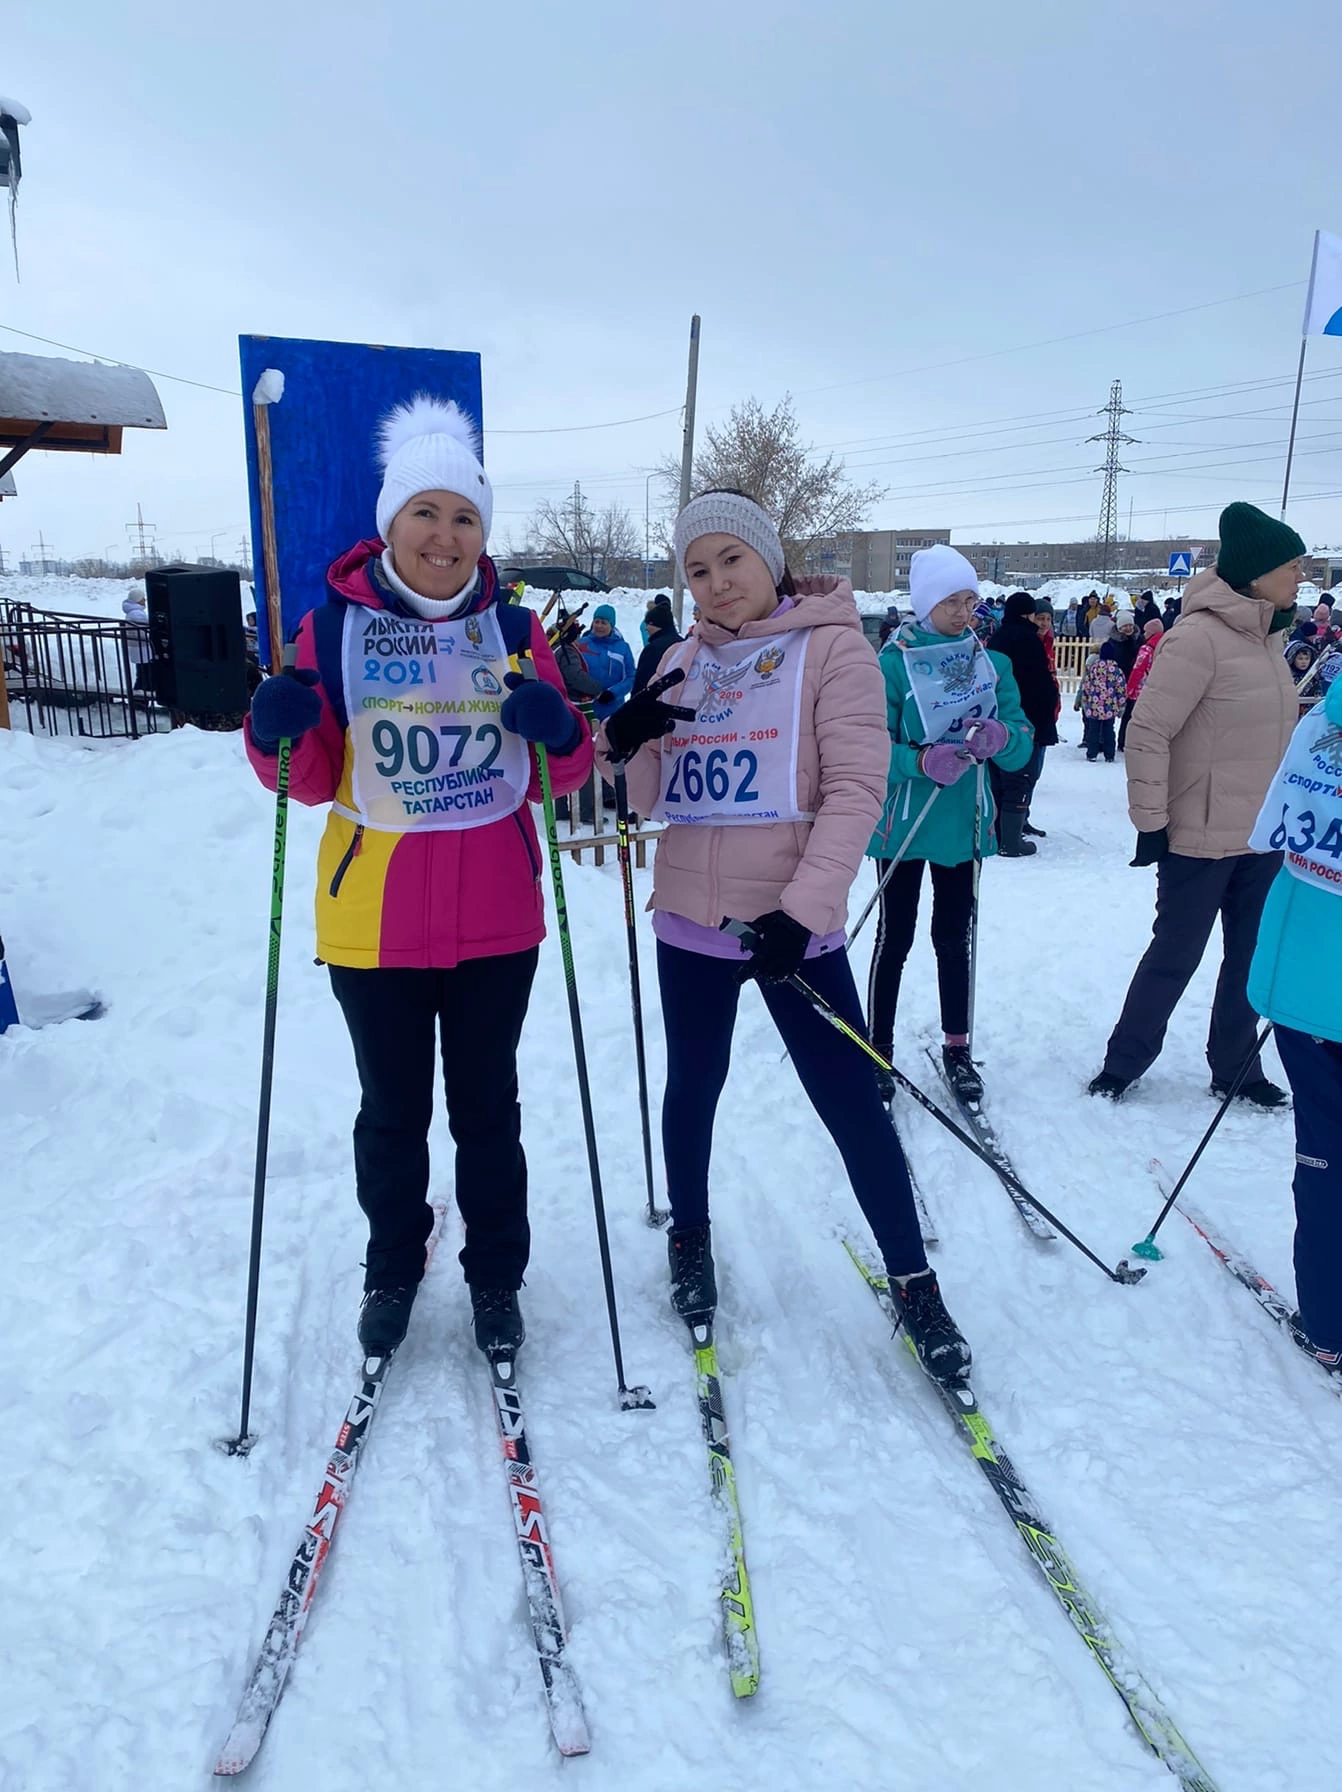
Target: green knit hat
point(1253, 543)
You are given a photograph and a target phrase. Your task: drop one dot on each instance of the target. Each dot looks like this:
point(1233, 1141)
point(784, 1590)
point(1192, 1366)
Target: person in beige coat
point(767, 763)
point(1206, 737)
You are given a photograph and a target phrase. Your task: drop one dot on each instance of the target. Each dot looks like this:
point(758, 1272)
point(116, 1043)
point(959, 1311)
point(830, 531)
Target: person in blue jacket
point(610, 659)
point(1299, 989)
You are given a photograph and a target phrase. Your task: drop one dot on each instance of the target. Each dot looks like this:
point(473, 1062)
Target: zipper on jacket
point(526, 841)
point(351, 853)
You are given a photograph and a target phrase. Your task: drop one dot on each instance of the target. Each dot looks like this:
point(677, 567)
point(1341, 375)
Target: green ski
point(1153, 1722)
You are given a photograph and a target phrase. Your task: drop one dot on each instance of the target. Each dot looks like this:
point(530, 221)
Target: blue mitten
point(285, 708)
point(536, 711)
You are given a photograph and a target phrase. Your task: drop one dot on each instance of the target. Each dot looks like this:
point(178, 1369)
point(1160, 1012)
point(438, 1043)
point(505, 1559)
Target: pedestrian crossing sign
point(1181, 565)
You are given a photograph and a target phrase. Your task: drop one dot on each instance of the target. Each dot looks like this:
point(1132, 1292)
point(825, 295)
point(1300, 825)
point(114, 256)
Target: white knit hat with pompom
point(430, 446)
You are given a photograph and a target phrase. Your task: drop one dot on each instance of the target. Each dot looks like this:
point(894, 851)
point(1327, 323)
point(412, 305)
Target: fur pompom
point(424, 416)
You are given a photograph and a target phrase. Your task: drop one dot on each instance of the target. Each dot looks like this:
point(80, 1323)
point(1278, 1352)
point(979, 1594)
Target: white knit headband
point(724, 513)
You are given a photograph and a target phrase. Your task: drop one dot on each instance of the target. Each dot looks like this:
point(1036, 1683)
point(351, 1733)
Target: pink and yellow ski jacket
point(415, 900)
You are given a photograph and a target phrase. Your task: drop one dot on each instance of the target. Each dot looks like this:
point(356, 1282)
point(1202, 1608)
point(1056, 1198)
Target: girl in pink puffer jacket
point(768, 764)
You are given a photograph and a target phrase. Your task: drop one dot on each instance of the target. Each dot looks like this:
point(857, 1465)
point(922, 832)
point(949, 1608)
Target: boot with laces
point(694, 1288)
point(497, 1317)
point(934, 1334)
point(383, 1319)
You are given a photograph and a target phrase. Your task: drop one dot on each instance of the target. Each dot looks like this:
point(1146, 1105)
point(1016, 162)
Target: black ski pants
point(398, 1020)
point(952, 907)
point(1190, 893)
point(699, 1001)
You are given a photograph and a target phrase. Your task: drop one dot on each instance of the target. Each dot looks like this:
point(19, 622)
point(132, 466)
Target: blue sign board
point(1181, 565)
point(322, 443)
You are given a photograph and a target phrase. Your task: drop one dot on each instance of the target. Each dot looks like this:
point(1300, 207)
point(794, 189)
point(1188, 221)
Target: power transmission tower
point(148, 550)
point(1113, 439)
point(582, 536)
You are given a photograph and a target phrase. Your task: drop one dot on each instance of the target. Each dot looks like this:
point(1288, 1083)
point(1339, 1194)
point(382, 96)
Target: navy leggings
point(699, 997)
point(1314, 1068)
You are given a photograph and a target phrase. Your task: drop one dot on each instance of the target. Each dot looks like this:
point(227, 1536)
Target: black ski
point(983, 1130)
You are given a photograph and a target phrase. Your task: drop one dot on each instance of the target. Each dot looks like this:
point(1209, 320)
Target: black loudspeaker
point(195, 628)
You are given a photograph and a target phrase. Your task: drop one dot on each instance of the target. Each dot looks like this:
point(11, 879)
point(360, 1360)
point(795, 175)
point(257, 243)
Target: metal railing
point(83, 676)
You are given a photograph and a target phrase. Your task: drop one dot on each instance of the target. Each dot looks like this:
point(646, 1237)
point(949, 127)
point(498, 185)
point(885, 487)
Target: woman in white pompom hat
point(403, 718)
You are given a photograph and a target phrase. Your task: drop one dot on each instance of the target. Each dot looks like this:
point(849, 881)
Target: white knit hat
point(727, 513)
point(935, 573)
point(430, 446)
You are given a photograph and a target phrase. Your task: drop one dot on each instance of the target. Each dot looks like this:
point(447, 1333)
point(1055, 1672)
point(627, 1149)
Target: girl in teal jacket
point(950, 708)
point(1298, 987)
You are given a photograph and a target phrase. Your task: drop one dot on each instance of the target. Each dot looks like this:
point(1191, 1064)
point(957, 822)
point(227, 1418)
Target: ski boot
point(1326, 1359)
point(694, 1288)
point(1259, 1093)
point(1114, 1088)
point(383, 1318)
point(885, 1079)
point(497, 1317)
point(934, 1334)
point(961, 1074)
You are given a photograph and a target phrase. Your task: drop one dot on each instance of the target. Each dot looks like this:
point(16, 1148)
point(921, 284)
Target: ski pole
point(1125, 1273)
point(889, 871)
point(905, 844)
point(1148, 1247)
point(974, 897)
point(657, 1216)
point(635, 1397)
point(242, 1443)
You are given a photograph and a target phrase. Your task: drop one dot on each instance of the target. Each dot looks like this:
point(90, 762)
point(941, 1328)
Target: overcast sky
point(891, 211)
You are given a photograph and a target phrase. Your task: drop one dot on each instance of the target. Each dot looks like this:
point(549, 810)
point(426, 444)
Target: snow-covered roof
point(41, 389)
point(12, 108)
point(8, 489)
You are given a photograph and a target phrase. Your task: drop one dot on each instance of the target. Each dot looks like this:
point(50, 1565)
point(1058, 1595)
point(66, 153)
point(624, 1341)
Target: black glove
point(285, 708)
point(779, 949)
point(1152, 847)
point(643, 718)
point(605, 696)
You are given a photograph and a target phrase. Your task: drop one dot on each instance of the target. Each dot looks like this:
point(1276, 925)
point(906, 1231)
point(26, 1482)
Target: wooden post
point(261, 402)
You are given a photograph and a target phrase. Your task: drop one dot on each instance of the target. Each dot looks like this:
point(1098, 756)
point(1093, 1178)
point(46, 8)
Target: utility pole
point(1114, 438)
point(687, 457)
point(43, 562)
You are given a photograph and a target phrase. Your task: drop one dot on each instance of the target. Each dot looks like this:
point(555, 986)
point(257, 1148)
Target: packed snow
point(1186, 1454)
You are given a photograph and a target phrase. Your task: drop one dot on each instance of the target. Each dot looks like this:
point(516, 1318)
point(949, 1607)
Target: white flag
point(1323, 307)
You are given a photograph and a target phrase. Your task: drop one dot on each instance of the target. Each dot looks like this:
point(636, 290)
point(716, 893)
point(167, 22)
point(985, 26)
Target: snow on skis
point(563, 1696)
point(740, 1638)
point(1152, 1721)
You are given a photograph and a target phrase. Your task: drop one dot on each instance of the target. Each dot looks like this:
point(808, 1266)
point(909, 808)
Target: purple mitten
point(944, 763)
point(986, 739)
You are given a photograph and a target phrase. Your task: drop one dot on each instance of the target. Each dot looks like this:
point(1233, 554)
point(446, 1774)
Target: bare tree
point(602, 542)
point(758, 451)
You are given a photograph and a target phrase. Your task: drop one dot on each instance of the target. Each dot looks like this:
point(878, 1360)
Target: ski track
point(1183, 1454)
